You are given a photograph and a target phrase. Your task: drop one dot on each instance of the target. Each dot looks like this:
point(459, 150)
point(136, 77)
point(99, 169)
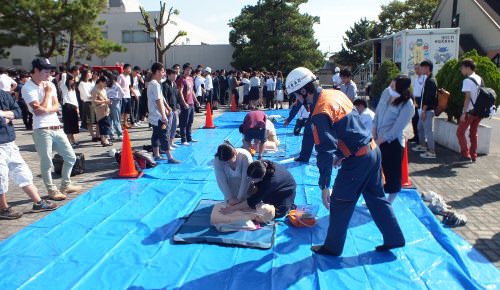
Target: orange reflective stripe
point(334, 104)
point(315, 135)
point(345, 150)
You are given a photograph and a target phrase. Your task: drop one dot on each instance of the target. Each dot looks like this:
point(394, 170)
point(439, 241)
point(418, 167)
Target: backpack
point(443, 97)
point(484, 107)
point(78, 168)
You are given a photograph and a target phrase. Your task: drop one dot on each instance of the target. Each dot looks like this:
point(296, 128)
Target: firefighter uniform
point(338, 133)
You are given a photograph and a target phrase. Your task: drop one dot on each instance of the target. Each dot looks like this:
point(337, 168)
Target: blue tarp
point(119, 236)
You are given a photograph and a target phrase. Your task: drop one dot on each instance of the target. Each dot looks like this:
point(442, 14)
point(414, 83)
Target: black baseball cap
point(42, 63)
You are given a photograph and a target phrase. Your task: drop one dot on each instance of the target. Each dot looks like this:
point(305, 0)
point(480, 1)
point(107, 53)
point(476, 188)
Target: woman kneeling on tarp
point(231, 166)
point(273, 185)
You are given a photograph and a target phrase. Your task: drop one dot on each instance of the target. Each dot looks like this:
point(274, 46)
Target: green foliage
point(158, 24)
point(28, 22)
point(274, 35)
point(450, 78)
point(85, 31)
point(385, 74)
point(407, 14)
point(55, 27)
point(354, 56)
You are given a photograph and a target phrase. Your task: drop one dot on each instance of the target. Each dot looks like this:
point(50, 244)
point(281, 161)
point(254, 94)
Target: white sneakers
point(428, 155)
point(419, 148)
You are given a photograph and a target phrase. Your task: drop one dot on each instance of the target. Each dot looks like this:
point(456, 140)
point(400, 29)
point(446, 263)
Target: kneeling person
point(254, 129)
point(231, 166)
point(274, 185)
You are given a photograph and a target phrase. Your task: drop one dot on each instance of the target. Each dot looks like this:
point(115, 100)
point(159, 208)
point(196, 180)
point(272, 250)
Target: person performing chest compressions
point(341, 139)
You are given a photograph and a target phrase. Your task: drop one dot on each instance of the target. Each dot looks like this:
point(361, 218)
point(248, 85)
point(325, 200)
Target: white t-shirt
point(418, 85)
point(136, 86)
point(469, 86)
point(336, 79)
point(367, 118)
point(154, 94)
point(254, 82)
point(32, 92)
point(85, 88)
point(209, 85)
point(197, 85)
point(124, 82)
point(270, 85)
point(303, 113)
point(6, 82)
point(69, 97)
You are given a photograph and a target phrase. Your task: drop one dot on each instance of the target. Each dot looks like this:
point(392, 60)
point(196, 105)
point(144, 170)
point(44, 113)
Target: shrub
point(385, 74)
point(450, 78)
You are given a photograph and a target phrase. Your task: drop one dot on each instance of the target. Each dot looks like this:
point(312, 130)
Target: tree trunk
point(71, 49)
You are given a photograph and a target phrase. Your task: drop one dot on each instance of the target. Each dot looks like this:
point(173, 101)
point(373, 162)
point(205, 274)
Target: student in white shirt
point(124, 82)
point(7, 83)
point(209, 88)
point(348, 87)
point(199, 85)
point(41, 96)
point(470, 87)
point(70, 110)
point(418, 86)
point(365, 113)
point(85, 88)
point(336, 80)
point(135, 93)
point(270, 90)
point(159, 115)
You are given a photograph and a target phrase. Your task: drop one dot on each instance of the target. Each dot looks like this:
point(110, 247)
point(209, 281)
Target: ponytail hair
point(261, 169)
point(225, 152)
point(403, 83)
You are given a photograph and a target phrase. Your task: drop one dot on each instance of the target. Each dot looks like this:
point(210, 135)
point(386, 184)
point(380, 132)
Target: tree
point(450, 78)
point(84, 30)
point(399, 15)
point(353, 56)
point(274, 35)
point(54, 26)
point(385, 74)
point(158, 25)
point(39, 23)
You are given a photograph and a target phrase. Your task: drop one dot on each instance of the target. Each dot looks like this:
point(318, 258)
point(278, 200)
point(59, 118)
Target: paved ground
point(473, 189)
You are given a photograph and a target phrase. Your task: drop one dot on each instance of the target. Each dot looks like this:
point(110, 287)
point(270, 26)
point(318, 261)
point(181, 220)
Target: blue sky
point(336, 16)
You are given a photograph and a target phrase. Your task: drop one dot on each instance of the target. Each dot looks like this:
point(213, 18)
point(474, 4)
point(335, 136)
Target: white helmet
point(298, 78)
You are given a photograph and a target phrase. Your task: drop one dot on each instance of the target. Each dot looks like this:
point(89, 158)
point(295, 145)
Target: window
point(17, 61)
point(115, 3)
point(135, 36)
point(496, 60)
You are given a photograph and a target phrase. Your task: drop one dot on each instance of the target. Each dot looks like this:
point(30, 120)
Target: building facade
point(122, 19)
point(479, 22)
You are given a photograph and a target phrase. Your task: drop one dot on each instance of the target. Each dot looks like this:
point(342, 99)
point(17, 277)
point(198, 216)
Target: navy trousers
point(186, 118)
point(360, 175)
point(307, 142)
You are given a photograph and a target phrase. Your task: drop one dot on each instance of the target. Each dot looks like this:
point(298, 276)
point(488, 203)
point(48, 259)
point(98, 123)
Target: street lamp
point(154, 35)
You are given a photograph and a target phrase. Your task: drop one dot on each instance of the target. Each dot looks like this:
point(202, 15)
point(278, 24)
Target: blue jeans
point(425, 131)
point(115, 108)
point(186, 118)
point(173, 124)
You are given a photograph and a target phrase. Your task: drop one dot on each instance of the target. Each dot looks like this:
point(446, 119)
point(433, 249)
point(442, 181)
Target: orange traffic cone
point(127, 165)
point(234, 106)
point(406, 182)
point(209, 124)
